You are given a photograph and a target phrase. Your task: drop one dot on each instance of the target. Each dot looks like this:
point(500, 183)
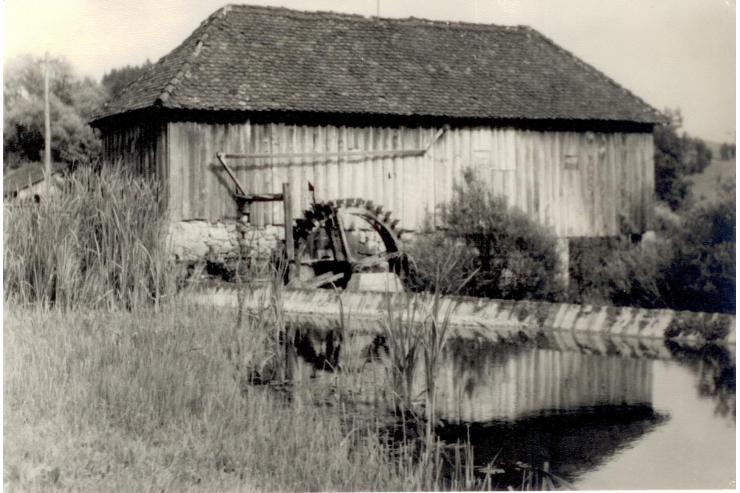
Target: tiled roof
point(275, 59)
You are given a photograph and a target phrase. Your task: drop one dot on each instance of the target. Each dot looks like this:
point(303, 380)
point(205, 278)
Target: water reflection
point(591, 409)
point(571, 443)
point(715, 368)
point(481, 382)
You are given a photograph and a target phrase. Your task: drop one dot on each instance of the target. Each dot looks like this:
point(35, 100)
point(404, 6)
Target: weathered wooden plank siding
point(140, 146)
point(576, 183)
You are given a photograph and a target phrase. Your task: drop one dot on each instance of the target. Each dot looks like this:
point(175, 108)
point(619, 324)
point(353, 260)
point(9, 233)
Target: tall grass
point(417, 331)
point(148, 401)
point(97, 241)
point(161, 396)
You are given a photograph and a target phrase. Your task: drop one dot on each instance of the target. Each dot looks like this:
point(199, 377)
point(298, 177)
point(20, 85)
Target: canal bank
point(482, 318)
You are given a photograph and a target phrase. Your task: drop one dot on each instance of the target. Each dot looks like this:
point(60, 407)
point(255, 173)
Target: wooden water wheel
point(336, 239)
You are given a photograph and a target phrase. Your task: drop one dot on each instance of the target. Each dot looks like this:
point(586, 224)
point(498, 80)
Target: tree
point(701, 275)
point(513, 257)
point(118, 78)
point(727, 151)
point(677, 156)
point(670, 184)
point(72, 102)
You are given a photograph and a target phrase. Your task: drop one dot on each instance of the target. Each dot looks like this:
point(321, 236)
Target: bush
point(502, 252)
point(701, 275)
point(439, 263)
point(98, 240)
point(690, 266)
point(614, 271)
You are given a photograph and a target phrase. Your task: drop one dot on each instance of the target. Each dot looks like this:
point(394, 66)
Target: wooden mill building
point(390, 110)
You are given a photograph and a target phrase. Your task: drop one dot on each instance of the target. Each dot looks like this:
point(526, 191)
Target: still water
point(599, 414)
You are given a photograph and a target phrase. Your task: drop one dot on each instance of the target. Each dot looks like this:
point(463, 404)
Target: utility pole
point(47, 124)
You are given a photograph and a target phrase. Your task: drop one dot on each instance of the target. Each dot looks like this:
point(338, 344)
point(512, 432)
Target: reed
point(97, 241)
point(417, 330)
point(145, 401)
point(114, 382)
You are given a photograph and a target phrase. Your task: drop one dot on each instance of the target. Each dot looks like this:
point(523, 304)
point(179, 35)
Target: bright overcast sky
point(672, 53)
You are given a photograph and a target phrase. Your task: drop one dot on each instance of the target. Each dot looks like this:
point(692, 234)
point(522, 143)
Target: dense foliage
point(701, 275)
point(118, 78)
point(502, 253)
point(615, 271)
point(727, 151)
point(690, 265)
point(72, 102)
point(676, 157)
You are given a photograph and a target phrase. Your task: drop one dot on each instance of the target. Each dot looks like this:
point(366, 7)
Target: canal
point(594, 412)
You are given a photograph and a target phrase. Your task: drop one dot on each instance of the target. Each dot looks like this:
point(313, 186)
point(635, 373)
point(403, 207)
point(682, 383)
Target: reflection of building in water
point(483, 382)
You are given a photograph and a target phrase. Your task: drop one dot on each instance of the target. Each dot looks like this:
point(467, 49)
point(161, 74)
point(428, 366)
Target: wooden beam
point(259, 197)
point(231, 174)
point(436, 137)
point(318, 281)
point(298, 155)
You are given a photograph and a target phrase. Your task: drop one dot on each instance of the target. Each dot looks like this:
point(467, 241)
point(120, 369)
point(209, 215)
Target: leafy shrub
point(606, 271)
point(689, 266)
point(99, 240)
point(701, 275)
point(500, 250)
point(677, 156)
point(439, 263)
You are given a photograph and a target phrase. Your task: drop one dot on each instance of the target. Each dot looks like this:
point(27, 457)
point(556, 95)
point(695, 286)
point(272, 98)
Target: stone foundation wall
point(197, 240)
point(194, 241)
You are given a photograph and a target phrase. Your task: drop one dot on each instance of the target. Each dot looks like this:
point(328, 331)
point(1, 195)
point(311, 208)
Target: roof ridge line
point(206, 25)
point(587, 66)
point(482, 26)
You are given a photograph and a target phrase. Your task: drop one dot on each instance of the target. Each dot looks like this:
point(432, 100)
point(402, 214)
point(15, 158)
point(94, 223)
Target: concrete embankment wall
point(484, 318)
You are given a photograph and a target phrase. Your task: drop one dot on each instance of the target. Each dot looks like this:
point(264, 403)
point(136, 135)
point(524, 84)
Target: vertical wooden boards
point(368, 164)
point(305, 143)
point(575, 183)
point(176, 167)
point(188, 163)
point(298, 188)
point(332, 178)
point(320, 164)
point(649, 181)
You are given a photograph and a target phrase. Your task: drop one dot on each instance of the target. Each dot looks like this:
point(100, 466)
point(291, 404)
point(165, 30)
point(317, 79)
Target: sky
point(671, 53)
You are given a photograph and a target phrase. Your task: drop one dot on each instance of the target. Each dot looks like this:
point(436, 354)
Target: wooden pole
point(47, 125)
point(288, 225)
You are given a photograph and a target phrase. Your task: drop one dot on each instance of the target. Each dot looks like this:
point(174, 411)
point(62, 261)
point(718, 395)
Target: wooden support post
point(563, 250)
point(47, 126)
point(288, 225)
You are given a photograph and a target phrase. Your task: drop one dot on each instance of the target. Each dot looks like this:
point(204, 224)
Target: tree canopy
point(677, 156)
point(72, 102)
point(118, 78)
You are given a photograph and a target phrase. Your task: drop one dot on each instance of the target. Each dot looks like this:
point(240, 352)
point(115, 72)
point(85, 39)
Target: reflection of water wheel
point(326, 249)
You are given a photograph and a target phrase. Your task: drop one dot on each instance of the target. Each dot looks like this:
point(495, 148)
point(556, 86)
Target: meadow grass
point(114, 382)
point(145, 401)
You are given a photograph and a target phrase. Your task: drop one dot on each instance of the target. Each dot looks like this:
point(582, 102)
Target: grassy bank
point(106, 401)
point(114, 383)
